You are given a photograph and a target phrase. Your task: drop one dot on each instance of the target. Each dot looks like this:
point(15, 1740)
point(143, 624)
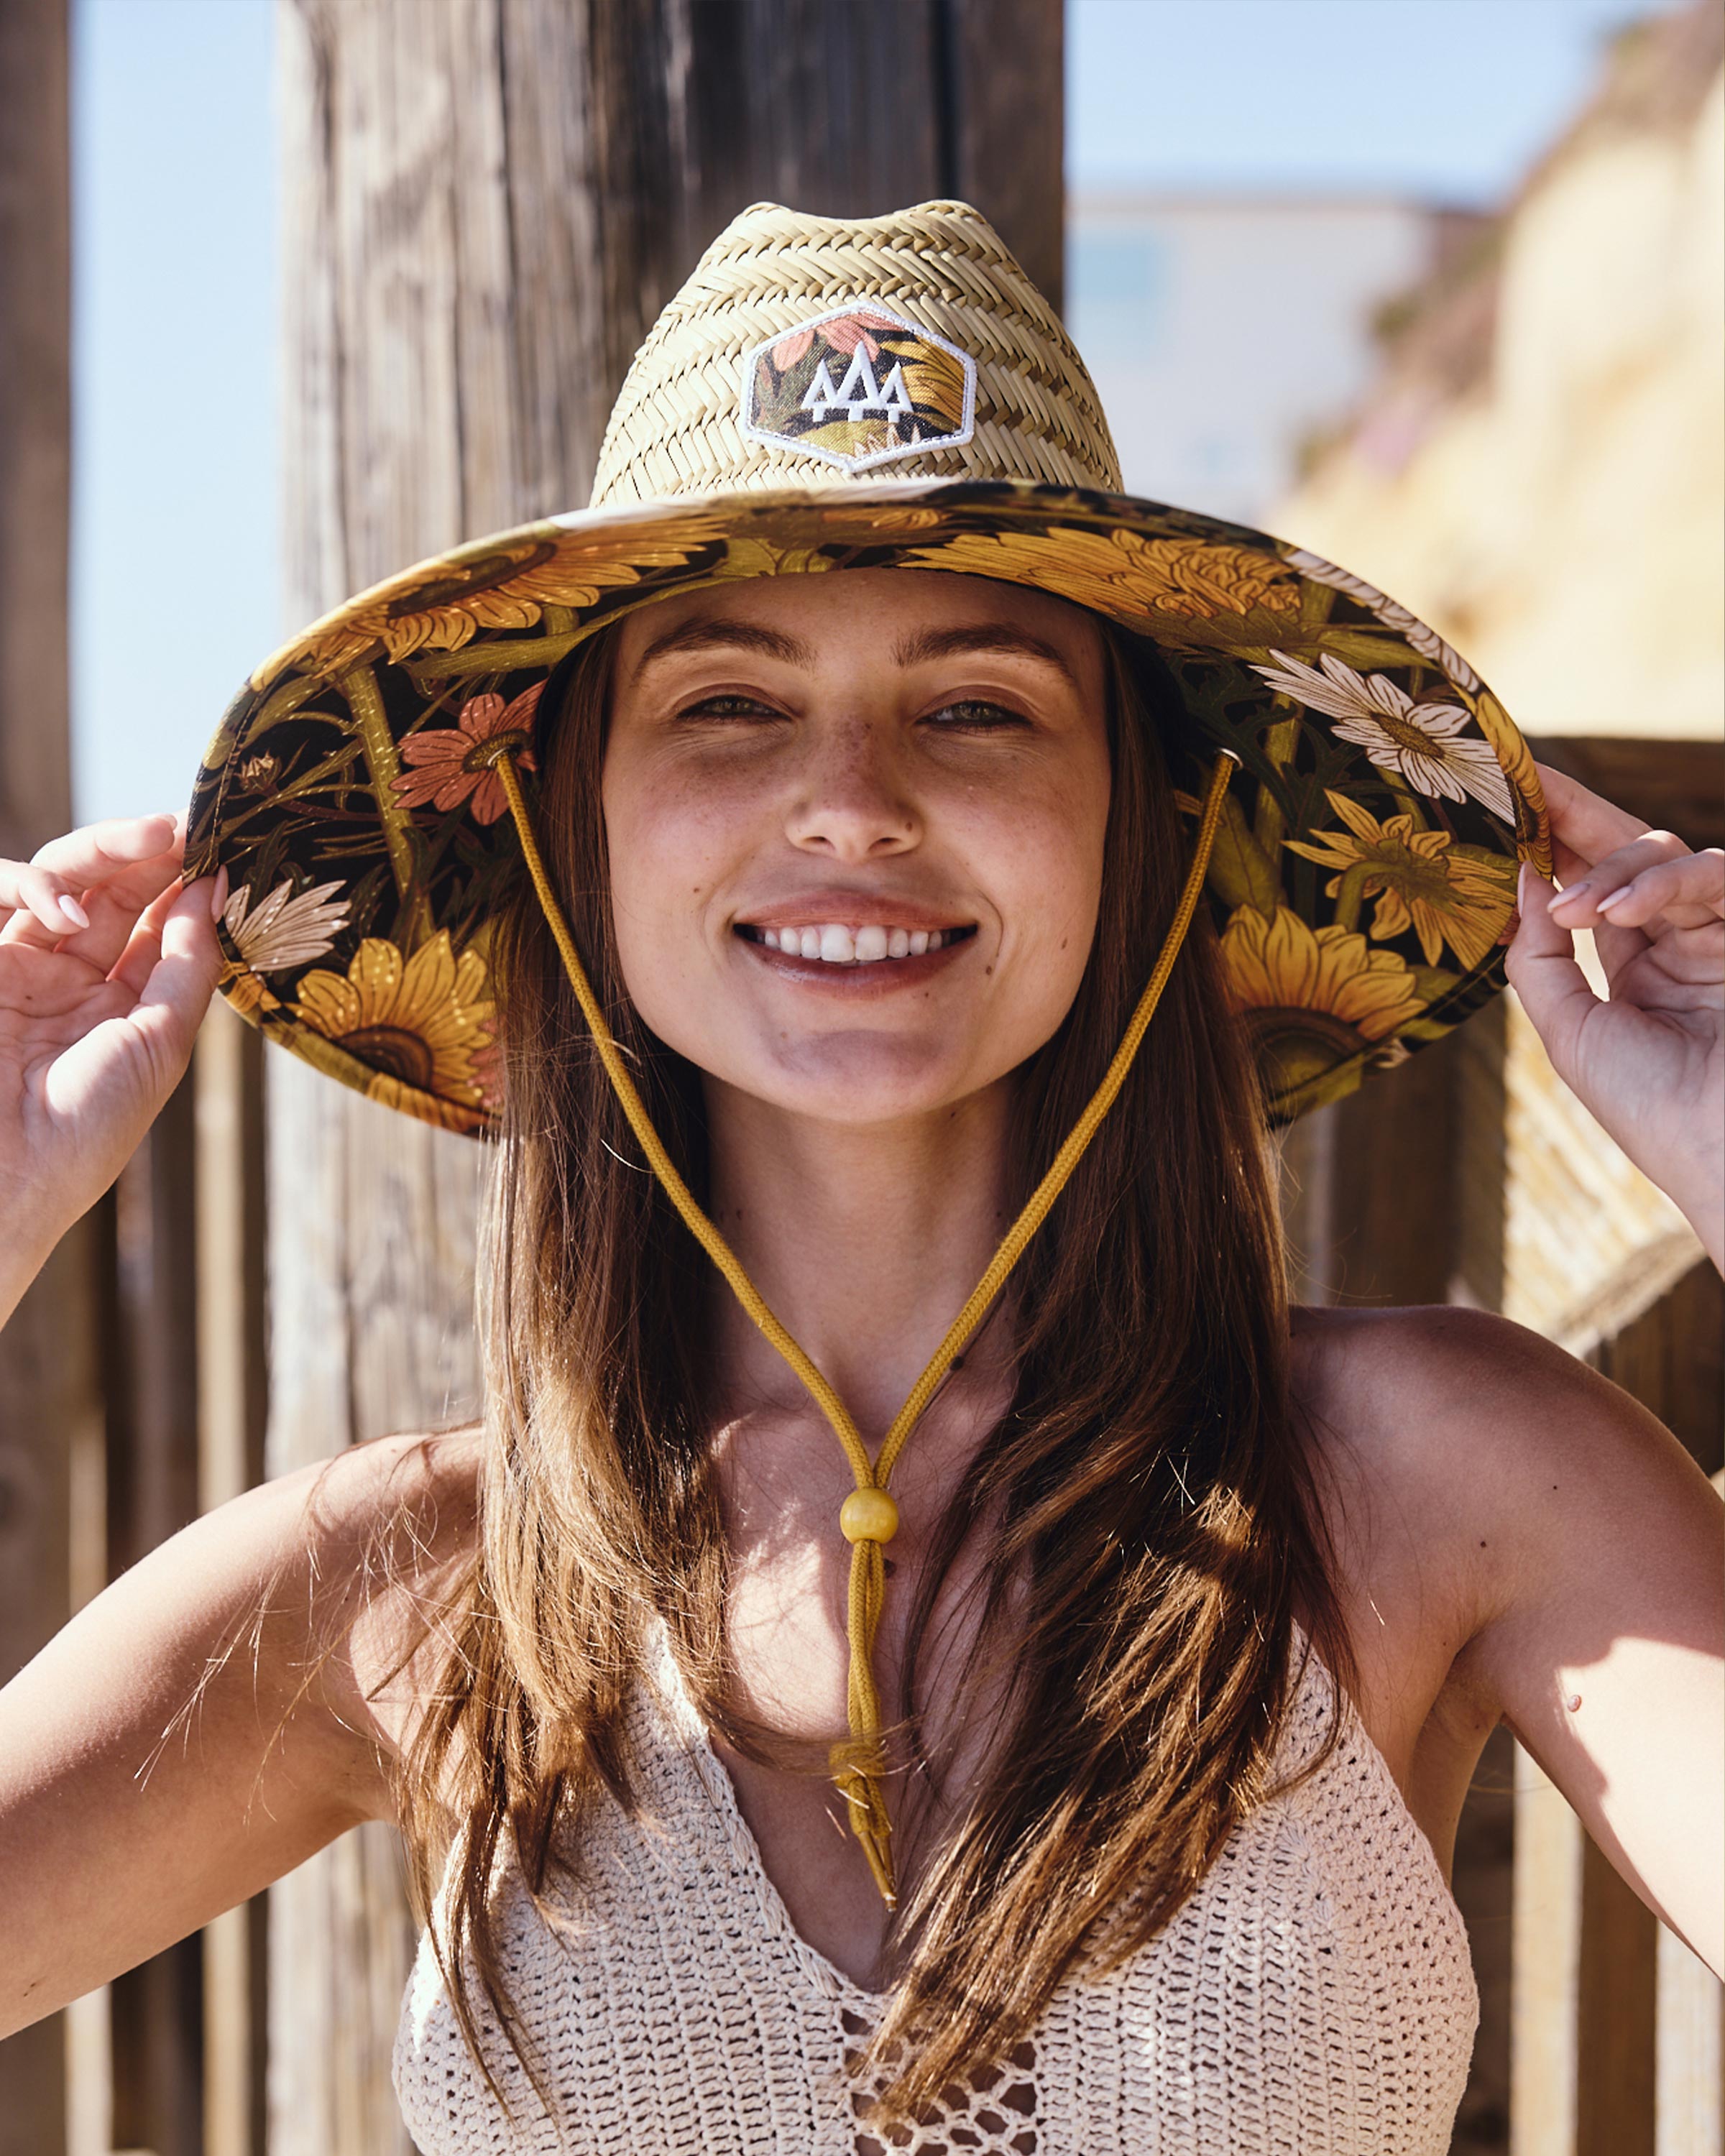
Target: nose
point(849, 804)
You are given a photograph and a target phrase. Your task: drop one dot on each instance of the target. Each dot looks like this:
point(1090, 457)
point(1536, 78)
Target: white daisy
point(1408, 627)
point(283, 929)
point(1417, 740)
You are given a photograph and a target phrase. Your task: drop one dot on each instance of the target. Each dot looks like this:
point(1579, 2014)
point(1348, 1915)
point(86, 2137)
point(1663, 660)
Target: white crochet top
point(1313, 1998)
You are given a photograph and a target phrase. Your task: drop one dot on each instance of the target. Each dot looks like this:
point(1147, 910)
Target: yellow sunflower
point(1122, 573)
point(1513, 753)
point(423, 1024)
point(1312, 998)
point(505, 585)
point(1420, 880)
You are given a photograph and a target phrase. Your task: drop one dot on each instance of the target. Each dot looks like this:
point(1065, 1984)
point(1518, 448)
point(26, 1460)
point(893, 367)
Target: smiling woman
point(926, 1650)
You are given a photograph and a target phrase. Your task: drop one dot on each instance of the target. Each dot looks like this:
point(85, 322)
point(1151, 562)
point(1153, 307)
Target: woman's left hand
point(1650, 1062)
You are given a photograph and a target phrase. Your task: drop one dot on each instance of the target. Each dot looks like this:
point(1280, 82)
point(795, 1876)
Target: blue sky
point(1446, 98)
point(176, 386)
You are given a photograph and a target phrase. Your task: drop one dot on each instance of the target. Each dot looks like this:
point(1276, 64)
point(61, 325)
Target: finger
point(1541, 969)
point(45, 905)
point(1687, 892)
point(97, 850)
point(113, 909)
point(1578, 905)
point(165, 1020)
point(48, 896)
point(184, 979)
point(1587, 823)
point(142, 950)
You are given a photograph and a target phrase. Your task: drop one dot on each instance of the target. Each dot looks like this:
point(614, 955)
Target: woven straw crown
point(676, 427)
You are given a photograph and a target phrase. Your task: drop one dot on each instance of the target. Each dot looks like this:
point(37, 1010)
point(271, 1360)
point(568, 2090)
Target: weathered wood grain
point(228, 1077)
point(48, 1350)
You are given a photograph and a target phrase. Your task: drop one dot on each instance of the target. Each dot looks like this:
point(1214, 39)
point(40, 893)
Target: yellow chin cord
point(869, 1515)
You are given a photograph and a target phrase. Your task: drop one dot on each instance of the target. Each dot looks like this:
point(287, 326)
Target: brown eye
point(728, 707)
point(975, 714)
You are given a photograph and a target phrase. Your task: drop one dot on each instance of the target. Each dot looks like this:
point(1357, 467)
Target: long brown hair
point(1149, 1478)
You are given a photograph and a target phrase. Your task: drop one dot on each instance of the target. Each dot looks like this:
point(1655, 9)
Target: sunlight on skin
point(891, 746)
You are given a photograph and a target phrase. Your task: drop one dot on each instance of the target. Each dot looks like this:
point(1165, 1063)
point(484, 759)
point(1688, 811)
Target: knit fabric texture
point(1315, 1996)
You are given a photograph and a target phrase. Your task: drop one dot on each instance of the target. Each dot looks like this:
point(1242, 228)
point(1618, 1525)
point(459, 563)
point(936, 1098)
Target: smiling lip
point(821, 928)
point(852, 910)
point(866, 977)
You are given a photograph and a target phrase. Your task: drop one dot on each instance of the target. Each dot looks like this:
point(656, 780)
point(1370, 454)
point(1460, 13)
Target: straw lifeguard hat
point(885, 393)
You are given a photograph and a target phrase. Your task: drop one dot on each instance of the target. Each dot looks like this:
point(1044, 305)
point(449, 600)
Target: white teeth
point(836, 945)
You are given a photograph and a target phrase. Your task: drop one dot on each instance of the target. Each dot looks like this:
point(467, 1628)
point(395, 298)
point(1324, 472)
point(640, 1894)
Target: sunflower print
point(1312, 998)
point(422, 1024)
point(1361, 887)
point(1422, 880)
point(1125, 574)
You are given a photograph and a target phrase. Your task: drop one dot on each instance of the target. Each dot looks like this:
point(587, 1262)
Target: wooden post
point(487, 202)
point(228, 1077)
point(49, 1408)
point(150, 1382)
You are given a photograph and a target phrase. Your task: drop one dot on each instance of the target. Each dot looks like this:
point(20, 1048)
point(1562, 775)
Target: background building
point(1225, 332)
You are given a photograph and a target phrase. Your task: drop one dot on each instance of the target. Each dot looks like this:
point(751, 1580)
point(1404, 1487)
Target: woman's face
point(855, 825)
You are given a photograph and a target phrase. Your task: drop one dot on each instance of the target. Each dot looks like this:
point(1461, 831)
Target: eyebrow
point(983, 637)
point(723, 632)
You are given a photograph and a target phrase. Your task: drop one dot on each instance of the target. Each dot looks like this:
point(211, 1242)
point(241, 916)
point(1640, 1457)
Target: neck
point(865, 1241)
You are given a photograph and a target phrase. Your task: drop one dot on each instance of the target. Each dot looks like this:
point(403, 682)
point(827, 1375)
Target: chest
point(791, 1653)
point(1312, 1996)
point(790, 1650)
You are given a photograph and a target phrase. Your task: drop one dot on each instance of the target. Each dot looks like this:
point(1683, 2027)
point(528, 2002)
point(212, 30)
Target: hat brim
point(1363, 881)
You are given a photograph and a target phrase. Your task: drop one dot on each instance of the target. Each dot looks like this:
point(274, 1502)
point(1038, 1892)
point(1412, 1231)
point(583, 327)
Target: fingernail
point(1572, 895)
point(73, 910)
point(218, 897)
point(1604, 904)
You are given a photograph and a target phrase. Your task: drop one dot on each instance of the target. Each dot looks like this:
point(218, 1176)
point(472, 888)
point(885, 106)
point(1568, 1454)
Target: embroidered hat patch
point(857, 387)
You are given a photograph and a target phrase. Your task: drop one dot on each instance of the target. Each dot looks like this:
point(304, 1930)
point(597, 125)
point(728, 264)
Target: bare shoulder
point(1439, 1398)
point(380, 1538)
point(295, 1599)
point(1482, 1453)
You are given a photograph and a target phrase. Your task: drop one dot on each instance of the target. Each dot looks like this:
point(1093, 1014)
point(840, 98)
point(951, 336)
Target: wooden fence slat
point(48, 1354)
point(1614, 2014)
point(1689, 2117)
point(228, 1079)
point(1546, 1958)
point(150, 1383)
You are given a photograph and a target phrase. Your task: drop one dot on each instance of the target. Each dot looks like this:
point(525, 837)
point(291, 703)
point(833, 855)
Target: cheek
point(1051, 921)
point(1049, 881)
point(667, 842)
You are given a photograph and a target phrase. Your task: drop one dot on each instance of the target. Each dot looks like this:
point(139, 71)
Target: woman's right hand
point(107, 965)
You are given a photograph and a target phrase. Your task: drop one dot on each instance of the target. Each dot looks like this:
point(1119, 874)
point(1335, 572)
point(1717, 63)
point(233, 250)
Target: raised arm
point(218, 1714)
point(1598, 1554)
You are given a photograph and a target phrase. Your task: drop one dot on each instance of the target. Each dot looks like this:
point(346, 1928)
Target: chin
point(858, 1078)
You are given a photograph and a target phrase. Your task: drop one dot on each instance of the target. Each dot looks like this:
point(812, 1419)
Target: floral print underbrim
point(1363, 881)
